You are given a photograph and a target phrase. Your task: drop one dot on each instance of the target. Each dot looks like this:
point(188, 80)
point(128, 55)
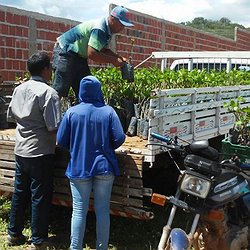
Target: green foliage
point(116, 89)
point(242, 120)
point(21, 79)
point(222, 27)
point(4, 207)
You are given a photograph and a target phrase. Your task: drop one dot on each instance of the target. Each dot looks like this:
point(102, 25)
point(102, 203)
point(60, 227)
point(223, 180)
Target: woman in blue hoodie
point(91, 131)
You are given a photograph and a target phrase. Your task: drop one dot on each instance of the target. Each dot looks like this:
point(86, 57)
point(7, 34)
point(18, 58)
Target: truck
point(189, 113)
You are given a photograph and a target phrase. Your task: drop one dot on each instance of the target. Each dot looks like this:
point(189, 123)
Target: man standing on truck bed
point(88, 40)
point(35, 107)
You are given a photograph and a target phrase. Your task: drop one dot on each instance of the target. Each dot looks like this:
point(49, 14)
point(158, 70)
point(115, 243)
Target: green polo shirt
point(94, 34)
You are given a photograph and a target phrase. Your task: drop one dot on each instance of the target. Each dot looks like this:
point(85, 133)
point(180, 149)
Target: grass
point(125, 233)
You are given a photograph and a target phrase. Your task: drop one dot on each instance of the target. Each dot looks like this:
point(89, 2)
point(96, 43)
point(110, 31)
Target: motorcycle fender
point(178, 239)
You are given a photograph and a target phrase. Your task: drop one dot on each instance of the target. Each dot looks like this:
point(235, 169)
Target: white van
point(218, 64)
point(217, 60)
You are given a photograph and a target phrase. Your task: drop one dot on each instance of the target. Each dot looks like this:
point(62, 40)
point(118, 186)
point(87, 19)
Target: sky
point(237, 11)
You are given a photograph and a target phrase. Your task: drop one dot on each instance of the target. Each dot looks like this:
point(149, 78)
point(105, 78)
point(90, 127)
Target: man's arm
point(105, 56)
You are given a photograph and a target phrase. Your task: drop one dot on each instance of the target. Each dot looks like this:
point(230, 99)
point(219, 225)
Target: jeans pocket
point(55, 56)
point(62, 64)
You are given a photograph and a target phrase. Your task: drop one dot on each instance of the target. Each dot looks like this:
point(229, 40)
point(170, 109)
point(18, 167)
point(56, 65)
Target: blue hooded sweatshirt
point(91, 131)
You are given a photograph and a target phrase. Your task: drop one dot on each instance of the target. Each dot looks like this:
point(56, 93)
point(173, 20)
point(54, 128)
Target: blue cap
point(121, 14)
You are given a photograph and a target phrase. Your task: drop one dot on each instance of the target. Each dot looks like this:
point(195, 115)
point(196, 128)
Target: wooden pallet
point(127, 194)
point(6, 88)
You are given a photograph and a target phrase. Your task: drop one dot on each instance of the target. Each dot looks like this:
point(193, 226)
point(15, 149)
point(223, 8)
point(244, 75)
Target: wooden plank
point(125, 168)
point(61, 181)
point(7, 143)
point(127, 191)
point(6, 151)
point(126, 180)
point(6, 88)
point(6, 147)
point(7, 188)
point(119, 181)
point(127, 201)
point(119, 200)
point(60, 172)
point(62, 190)
point(7, 157)
point(131, 172)
point(7, 164)
point(128, 155)
point(62, 197)
point(7, 173)
point(7, 181)
point(60, 165)
point(119, 191)
point(118, 195)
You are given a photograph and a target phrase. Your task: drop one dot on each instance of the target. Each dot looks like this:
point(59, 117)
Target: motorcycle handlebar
point(170, 143)
point(166, 139)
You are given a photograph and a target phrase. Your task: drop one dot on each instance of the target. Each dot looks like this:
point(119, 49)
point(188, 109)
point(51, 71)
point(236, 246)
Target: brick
point(9, 17)
point(23, 65)
point(16, 64)
point(40, 24)
point(12, 30)
point(17, 19)
point(24, 20)
point(10, 52)
point(4, 29)
point(9, 64)
point(2, 64)
point(12, 75)
point(18, 54)
point(25, 32)
point(4, 75)
point(2, 16)
point(3, 53)
point(25, 54)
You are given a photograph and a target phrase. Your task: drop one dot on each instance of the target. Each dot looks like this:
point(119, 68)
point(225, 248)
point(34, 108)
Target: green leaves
point(116, 89)
point(242, 119)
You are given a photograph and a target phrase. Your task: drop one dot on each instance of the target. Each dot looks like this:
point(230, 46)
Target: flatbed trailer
point(128, 190)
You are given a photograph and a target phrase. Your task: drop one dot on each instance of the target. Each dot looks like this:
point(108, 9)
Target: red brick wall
point(154, 34)
point(24, 32)
point(21, 34)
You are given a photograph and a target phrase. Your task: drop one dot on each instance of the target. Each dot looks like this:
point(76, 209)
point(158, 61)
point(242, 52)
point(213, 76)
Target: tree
point(222, 27)
point(225, 21)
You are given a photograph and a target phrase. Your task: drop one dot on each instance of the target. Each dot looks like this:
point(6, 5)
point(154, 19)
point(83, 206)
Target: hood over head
point(90, 90)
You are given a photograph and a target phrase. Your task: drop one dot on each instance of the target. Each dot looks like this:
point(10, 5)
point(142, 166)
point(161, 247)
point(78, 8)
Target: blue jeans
point(69, 69)
point(33, 181)
point(81, 190)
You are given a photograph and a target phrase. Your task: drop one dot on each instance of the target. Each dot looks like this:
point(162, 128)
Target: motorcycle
point(214, 194)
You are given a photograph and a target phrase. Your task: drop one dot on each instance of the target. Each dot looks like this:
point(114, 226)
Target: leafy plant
point(20, 79)
point(240, 133)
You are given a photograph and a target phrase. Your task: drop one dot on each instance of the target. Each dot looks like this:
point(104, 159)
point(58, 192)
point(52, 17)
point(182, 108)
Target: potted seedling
point(238, 141)
point(240, 133)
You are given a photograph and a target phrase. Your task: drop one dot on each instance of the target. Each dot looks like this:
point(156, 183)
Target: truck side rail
point(192, 113)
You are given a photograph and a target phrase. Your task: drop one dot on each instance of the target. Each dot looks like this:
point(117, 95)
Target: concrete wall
point(24, 32)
